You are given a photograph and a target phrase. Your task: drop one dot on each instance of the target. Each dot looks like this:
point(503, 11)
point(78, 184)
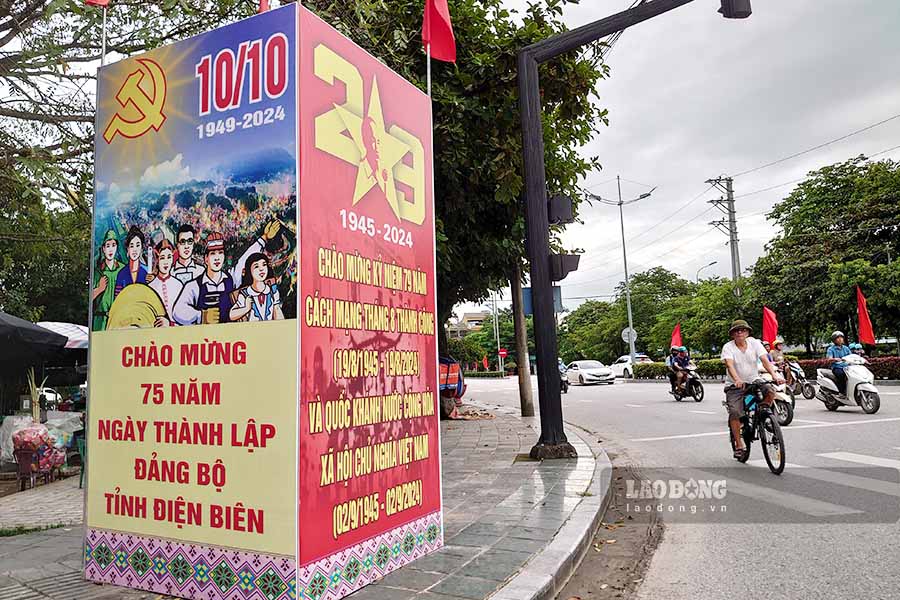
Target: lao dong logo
point(675, 489)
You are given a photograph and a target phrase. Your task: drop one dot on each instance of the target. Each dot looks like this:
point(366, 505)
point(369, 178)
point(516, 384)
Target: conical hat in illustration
point(137, 305)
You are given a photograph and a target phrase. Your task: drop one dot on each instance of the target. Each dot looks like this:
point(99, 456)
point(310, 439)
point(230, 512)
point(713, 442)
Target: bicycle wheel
point(772, 443)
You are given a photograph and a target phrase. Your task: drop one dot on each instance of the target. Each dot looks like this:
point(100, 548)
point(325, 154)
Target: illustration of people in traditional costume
point(104, 284)
point(257, 299)
point(186, 267)
point(133, 271)
point(207, 298)
point(164, 283)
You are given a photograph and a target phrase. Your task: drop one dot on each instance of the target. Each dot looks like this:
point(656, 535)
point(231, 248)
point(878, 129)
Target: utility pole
point(620, 204)
point(497, 333)
point(526, 403)
point(728, 225)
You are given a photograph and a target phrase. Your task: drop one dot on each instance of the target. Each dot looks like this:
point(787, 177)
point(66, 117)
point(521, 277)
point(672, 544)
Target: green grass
point(21, 529)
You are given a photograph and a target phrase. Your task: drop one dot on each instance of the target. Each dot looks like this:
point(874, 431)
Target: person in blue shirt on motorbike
point(836, 353)
point(680, 362)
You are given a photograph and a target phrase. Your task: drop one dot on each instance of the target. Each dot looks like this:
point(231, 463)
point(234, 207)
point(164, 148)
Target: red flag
point(263, 6)
point(100, 3)
point(437, 31)
point(866, 334)
point(676, 336)
point(484, 362)
point(770, 325)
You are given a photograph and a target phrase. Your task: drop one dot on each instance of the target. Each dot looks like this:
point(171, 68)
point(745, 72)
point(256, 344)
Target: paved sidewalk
point(502, 512)
point(59, 503)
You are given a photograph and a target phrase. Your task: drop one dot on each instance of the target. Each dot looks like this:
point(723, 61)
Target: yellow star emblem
point(379, 151)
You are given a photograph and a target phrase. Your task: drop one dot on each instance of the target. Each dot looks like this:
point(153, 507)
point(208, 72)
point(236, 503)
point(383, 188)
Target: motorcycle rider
point(836, 352)
point(740, 356)
point(680, 363)
point(857, 349)
point(673, 377)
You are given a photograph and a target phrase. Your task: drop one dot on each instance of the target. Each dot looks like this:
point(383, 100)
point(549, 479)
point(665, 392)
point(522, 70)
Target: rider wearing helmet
point(857, 349)
point(670, 360)
point(836, 353)
point(777, 353)
point(680, 362)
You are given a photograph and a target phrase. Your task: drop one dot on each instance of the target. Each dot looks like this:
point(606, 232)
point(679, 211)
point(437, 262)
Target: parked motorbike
point(799, 382)
point(692, 386)
point(563, 381)
point(784, 402)
point(861, 390)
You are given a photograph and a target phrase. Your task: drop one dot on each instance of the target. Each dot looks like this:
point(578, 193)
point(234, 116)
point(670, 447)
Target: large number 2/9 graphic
point(330, 127)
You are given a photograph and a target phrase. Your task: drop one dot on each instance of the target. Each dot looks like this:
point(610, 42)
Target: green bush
point(654, 370)
point(710, 369)
point(483, 374)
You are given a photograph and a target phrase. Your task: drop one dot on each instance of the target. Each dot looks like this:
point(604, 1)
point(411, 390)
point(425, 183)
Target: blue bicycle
point(758, 423)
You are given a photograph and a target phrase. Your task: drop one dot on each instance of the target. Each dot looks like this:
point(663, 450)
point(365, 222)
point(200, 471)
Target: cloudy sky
point(693, 96)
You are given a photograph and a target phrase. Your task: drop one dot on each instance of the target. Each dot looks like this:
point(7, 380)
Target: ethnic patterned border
point(200, 572)
point(343, 573)
point(186, 570)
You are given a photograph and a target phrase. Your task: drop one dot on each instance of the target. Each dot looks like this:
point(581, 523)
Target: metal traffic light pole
point(553, 442)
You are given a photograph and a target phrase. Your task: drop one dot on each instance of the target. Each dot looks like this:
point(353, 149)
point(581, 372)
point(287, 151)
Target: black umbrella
point(24, 343)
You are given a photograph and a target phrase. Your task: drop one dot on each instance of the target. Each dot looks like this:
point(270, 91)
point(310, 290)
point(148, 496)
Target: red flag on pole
point(676, 336)
point(100, 3)
point(770, 325)
point(866, 334)
point(263, 6)
point(484, 362)
point(437, 31)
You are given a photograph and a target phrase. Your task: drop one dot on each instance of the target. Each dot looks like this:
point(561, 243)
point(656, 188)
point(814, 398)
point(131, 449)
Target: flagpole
point(103, 43)
point(428, 55)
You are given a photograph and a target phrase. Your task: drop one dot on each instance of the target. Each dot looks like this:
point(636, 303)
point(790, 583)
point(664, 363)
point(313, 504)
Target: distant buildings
point(469, 323)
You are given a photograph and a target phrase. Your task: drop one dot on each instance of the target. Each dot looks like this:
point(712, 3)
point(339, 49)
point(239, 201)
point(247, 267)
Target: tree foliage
point(477, 130)
point(48, 49)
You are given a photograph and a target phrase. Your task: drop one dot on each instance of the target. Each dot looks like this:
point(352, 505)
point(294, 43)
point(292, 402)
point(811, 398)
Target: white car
point(53, 397)
point(623, 368)
point(585, 372)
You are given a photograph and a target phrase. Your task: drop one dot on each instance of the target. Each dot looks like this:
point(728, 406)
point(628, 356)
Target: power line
point(818, 147)
point(654, 226)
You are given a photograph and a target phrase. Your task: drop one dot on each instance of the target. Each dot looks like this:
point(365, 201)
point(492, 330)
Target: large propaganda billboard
point(369, 449)
point(263, 377)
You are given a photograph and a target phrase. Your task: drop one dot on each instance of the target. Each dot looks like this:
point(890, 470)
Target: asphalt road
point(829, 527)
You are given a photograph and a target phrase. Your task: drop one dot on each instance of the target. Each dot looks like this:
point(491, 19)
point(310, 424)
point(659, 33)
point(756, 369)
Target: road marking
point(635, 405)
point(864, 459)
point(795, 502)
point(808, 421)
point(791, 428)
point(703, 412)
point(840, 478)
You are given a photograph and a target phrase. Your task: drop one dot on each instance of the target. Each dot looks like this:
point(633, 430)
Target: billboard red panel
point(369, 453)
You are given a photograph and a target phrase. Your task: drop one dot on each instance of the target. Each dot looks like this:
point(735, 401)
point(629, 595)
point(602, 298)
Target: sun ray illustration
point(153, 144)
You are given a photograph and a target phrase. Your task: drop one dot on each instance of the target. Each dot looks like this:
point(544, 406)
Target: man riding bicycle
point(740, 356)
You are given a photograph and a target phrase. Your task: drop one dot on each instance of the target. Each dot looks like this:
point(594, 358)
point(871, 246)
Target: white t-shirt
point(745, 363)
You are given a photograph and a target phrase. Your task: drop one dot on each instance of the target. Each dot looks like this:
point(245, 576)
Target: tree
point(841, 213)
point(48, 52)
point(477, 131)
point(487, 341)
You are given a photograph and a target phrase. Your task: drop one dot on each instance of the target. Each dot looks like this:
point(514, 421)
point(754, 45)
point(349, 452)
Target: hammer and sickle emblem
point(135, 101)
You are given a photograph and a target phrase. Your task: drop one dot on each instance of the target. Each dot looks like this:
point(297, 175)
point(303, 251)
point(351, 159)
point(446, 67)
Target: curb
point(545, 575)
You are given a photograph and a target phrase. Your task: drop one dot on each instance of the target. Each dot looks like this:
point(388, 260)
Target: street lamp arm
point(559, 44)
